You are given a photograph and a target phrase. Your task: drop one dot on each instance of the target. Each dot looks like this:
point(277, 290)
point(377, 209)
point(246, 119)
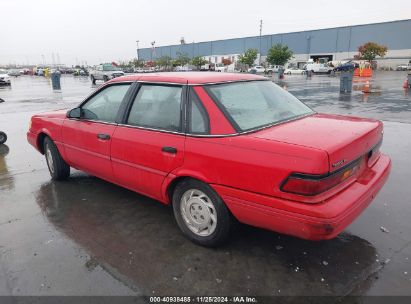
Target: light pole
point(137, 41)
point(152, 49)
point(261, 29)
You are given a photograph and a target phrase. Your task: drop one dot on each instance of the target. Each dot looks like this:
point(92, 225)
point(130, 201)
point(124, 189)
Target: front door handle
point(103, 136)
point(171, 150)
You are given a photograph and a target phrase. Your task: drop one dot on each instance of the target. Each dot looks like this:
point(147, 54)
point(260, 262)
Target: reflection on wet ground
point(137, 237)
point(32, 93)
point(387, 99)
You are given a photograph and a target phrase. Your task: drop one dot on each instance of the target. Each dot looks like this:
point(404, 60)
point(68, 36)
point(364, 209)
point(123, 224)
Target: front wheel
point(3, 137)
point(93, 80)
point(58, 168)
point(201, 214)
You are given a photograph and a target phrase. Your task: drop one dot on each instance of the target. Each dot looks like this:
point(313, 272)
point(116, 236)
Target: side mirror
point(74, 113)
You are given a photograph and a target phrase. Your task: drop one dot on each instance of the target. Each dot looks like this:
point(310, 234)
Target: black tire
point(58, 168)
point(93, 80)
point(224, 220)
point(105, 78)
point(3, 138)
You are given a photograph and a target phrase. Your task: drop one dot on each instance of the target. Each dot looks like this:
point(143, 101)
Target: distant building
point(337, 44)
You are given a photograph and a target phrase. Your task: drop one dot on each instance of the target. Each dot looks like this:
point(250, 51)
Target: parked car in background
point(4, 78)
point(219, 67)
point(347, 66)
point(404, 67)
point(80, 72)
point(39, 72)
point(272, 163)
point(14, 73)
point(321, 68)
point(139, 70)
point(185, 68)
point(105, 72)
point(294, 70)
point(205, 67)
point(129, 70)
point(257, 69)
point(273, 69)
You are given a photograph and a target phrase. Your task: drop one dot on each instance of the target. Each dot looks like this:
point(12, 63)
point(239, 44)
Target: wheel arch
point(172, 181)
point(40, 140)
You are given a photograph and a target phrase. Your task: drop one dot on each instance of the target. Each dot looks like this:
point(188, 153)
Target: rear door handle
point(103, 136)
point(171, 150)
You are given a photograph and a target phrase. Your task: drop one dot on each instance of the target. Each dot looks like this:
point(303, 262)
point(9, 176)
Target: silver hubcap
point(49, 159)
point(198, 212)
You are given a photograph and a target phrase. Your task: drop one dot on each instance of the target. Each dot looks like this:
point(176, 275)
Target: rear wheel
point(105, 78)
point(200, 213)
point(3, 137)
point(58, 168)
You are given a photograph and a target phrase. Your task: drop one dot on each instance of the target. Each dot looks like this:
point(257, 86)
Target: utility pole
point(261, 30)
point(152, 49)
point(137, 41)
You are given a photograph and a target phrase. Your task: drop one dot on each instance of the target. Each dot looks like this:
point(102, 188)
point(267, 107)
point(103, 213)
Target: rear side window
point(157, 107)
point(198, 118)
point(105, 104)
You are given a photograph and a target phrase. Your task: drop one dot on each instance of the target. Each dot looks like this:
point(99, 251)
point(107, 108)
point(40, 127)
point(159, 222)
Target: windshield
point(255, 104)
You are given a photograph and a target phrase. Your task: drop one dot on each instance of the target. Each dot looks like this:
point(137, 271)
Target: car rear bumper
point(314, 222)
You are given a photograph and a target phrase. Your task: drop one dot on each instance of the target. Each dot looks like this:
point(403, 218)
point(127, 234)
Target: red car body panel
point(309, 221)
point(315, 131)
point(246, 170)
point(138, 161)
point(84, 150)
point(218, 123)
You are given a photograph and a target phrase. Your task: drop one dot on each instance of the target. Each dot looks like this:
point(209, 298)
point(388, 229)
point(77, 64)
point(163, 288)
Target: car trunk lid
point(344, 138)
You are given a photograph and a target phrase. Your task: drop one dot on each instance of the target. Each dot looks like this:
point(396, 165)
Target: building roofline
point(279, 34)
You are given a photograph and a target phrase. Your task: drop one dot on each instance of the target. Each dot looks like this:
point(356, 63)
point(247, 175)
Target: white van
point(318, 67)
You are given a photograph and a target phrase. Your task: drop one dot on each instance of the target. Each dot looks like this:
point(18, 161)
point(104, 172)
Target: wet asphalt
point(85, 236)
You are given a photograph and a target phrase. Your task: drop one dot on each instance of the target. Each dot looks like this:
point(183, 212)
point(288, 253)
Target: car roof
point(189, 77)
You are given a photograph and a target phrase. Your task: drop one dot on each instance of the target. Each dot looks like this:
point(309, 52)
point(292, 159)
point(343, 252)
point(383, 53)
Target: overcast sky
point(95, 31)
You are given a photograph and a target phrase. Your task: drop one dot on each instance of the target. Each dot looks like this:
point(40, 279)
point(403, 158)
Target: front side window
point(254, 104)
point(157, 107)
point(104, 105)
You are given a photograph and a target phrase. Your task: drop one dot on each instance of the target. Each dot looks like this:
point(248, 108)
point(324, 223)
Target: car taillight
point(309, 185)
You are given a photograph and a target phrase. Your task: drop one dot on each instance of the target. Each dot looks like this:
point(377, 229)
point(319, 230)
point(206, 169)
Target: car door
point(150, 142)
point(87, 139)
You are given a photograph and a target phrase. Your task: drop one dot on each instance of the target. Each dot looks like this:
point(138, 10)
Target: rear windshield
point(254, 104)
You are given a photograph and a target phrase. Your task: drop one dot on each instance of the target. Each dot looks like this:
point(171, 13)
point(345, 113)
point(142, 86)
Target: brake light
point(309, 185)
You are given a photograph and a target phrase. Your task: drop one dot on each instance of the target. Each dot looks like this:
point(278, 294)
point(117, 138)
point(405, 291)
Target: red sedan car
point(220, 146)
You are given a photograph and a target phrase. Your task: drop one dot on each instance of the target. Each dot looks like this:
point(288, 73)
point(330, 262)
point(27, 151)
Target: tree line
point(278, 54)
